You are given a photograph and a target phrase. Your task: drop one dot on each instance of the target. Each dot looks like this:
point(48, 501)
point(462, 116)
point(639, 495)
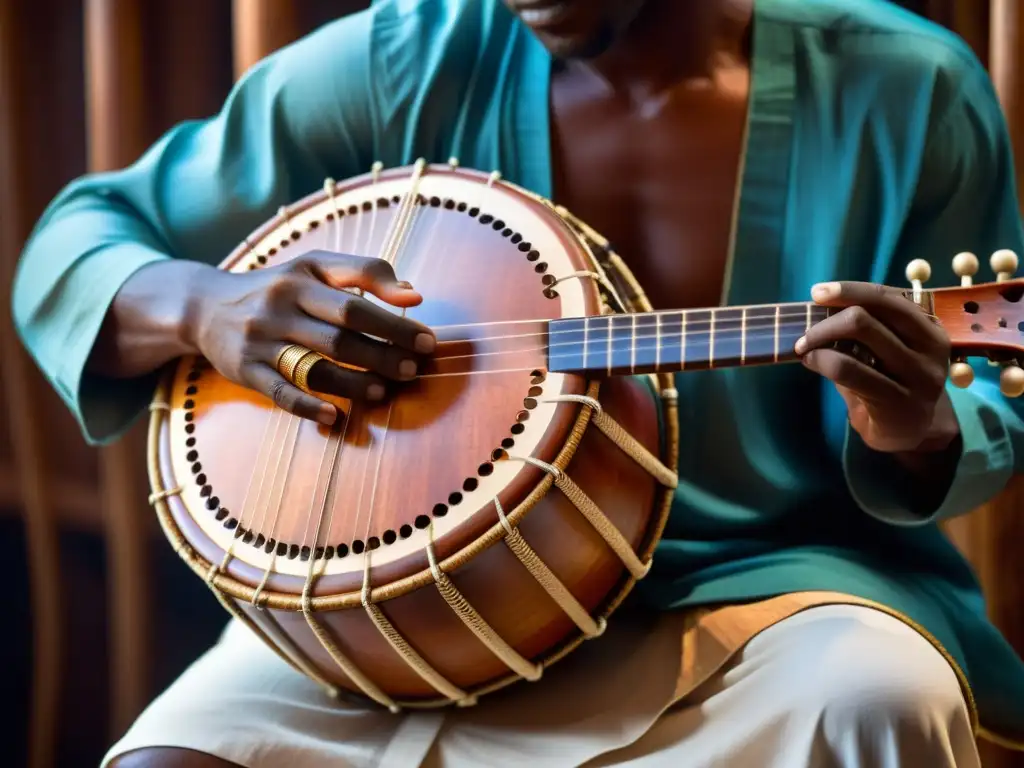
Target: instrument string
point(396, 222)
point(282, 470)
point(784, 307)
point(333, 438)
point(277, 418)
point(396, 248)
point(399, 246)
point(572, 349)
point(623, 336)
point(275, 453)
point(272, 425)
point(789, 309)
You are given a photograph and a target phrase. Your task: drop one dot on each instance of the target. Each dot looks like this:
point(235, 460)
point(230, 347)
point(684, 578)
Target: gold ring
point(302, 369)
point(294, 362)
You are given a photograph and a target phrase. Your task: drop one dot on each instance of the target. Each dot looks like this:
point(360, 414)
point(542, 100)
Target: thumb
point(364, 273)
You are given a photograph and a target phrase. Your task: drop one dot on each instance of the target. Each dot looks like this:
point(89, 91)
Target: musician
point(804, 608)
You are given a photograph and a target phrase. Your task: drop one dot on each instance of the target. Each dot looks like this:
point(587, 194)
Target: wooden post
point(1006, 35)
point(995, 542)
point(1003, 567)
point(22, 406)
point(115, 119)
point(260, 28)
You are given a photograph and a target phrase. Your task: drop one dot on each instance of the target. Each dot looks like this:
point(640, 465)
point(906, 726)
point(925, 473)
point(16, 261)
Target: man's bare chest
point(662, 188)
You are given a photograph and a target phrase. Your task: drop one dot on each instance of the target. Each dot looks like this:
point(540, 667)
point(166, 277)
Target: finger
point(288, 397)
point(332, 379)
point(901, 314)
point(858, 324)
point(351, 384)
point(854, 375)
point(354, 313)
point(347, 346)
point(375, 276)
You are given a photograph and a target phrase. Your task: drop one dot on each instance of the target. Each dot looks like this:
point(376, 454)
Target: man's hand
point(896, 394)
point(243, 321)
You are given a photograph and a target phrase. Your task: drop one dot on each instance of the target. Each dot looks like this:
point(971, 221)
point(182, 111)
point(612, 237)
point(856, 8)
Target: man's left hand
point(896, 397)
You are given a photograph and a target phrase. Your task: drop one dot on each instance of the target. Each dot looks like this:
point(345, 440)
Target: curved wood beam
point(115, 120)
point(1000, 525)
point(260, 28)
point(1006, 65)
point(22, 406)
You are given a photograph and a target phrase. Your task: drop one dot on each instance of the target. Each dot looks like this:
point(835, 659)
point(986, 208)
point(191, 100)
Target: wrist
point(191, 313)
point(939, 452)
point(944, 430)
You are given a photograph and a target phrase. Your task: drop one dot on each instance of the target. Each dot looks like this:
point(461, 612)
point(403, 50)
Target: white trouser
point(836, 685)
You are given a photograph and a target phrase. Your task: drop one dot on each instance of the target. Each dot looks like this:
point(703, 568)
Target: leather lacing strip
point(356, 675)
point(295, 658)
point(472, 619)
point(476, 623)
point(551, 584)
point(409, 654)
point(533, 563)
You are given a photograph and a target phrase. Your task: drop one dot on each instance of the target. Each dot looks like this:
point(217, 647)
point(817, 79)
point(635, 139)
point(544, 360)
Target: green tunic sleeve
point(966, 201)
point(298, 116)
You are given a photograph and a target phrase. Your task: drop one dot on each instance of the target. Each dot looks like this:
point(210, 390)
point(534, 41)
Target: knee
point(872, 678)
point(168, 757)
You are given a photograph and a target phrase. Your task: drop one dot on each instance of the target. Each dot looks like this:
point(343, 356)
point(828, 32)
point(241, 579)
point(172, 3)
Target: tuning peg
point(918, 272)
point(1004, 263)
point(1011, 381)
point(965, 266)
point(961, 374)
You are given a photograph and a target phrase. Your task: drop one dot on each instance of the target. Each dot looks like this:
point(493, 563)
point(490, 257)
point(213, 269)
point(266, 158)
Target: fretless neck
point(667, 342)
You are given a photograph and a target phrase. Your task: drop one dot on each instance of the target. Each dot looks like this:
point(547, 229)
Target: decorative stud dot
point(961, 374)
point(1011, 381)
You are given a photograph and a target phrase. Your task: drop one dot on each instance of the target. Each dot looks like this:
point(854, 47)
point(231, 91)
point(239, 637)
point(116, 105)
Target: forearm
point(148, 323)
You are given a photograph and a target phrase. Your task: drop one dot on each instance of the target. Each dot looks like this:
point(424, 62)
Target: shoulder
point(422, 25)
point(859, 17)
point(872, 39)
point(403, 29)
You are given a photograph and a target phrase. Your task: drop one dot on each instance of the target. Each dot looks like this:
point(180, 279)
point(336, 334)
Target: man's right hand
point(241, 322)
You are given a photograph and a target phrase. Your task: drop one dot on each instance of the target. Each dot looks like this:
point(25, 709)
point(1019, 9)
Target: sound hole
point(977, 328)
point(971, 307)
point(1013, 293)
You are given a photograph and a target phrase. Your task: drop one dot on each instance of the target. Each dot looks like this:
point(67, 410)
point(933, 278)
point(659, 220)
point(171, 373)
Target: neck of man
point(673, 43)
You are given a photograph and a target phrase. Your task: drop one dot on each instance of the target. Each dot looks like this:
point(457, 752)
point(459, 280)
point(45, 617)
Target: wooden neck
point(678, 340)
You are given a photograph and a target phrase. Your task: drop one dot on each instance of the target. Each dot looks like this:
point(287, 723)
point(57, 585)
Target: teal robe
point(874, 138)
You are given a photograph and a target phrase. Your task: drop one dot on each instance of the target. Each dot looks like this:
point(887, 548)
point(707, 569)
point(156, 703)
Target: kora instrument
point(480, 524)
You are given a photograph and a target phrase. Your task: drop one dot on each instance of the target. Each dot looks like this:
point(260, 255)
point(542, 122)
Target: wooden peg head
point(1004, 263)
point(965, 266)
point(961, 374)
point(918, 271)
point(1011, 381)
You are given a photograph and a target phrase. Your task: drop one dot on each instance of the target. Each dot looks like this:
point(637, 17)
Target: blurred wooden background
point(103, 616)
